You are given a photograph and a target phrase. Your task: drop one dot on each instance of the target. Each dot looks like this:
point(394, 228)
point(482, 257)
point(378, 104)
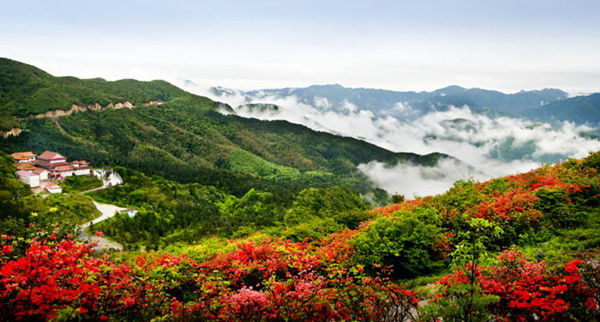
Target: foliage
point(19, 207)
point(270, 280)
point(520, 290)
point(169, 212)
point(461, 297)
point(62, 280)
point(81, 183)
point(26, 90)
point(339, 274)
point(406, 241)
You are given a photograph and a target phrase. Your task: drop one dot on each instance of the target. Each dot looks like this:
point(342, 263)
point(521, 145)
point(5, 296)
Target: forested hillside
point(523, 247)
point(27, 90)
point(184, 139)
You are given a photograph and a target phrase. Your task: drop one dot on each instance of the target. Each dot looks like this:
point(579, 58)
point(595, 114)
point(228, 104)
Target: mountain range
point(549, 104)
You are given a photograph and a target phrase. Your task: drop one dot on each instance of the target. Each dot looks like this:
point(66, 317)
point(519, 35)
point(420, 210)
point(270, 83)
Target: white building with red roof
point(24, 157)
point(35, 170)
point(52, 188)
point(81, 168)
point(29, 178)
point(43, 173)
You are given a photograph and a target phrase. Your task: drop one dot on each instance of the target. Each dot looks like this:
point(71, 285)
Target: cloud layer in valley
point(487, 147)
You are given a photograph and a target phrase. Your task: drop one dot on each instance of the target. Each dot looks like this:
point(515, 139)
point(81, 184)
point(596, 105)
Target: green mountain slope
point(185, 138)
point(26, 90)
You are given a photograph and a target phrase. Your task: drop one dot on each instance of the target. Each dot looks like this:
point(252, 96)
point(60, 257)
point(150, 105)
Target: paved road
point(102, 243)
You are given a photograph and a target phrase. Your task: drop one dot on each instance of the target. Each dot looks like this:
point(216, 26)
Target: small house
point(81, 168)
point(24, 157)
point(63, 170)
point(43, 173)
point(52, 188)
point(29, 178)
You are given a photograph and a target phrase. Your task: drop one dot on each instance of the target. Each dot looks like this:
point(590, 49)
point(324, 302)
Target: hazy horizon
point(403, 46)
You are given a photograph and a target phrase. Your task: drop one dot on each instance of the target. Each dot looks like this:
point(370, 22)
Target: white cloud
point(403, 107)
point(412, 180)
point(492, 146)
point(321, 102)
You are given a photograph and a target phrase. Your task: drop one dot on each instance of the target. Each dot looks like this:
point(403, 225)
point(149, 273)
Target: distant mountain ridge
point(579, 110)
point(388, 102)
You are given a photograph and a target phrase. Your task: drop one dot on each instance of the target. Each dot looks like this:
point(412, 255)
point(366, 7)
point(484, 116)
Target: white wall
point(33, 181)
point(81, 172)
point(44, 175)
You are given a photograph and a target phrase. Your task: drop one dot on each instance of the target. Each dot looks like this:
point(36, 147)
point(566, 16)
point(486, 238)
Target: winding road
point(101, 242)
point(107, 211)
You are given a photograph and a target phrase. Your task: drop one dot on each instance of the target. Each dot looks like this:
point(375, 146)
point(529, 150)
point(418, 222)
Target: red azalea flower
point(6, 249)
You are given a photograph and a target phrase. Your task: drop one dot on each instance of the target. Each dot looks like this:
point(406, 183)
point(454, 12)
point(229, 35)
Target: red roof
point(23, 155)
point(26, 174)
point(24, 166)
point(39, 170)
point(63, 168)
point(82, 162)
point(49, 155)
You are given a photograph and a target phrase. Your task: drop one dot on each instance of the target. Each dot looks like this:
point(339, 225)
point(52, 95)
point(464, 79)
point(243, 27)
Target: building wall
point(59, 190)
point(44, 175)
point(81, 172)
point(33, 181)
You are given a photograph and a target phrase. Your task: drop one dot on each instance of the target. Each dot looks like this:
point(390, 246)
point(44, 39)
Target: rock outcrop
point(93, 107)
point(12, 132)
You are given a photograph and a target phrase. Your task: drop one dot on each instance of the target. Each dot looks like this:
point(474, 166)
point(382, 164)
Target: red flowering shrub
point(64, 279)
point(283, 280)
point(514, 204)
point(408, 205)
point(530, 291)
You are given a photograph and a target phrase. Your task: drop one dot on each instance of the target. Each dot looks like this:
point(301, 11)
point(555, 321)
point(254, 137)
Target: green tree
point(462, 298)
point(406, 241)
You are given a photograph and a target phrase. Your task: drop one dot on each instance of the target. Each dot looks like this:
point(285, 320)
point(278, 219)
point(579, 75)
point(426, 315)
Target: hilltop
point(27, 90)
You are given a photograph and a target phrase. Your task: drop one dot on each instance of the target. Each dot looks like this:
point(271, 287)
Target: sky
point(400, 45)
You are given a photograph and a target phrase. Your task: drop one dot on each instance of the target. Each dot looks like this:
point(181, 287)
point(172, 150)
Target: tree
point(461, 297)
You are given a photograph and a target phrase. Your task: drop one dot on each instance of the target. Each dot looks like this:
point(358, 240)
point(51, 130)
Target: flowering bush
point(526, 290)
point(267, 280)
point(63, 279)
